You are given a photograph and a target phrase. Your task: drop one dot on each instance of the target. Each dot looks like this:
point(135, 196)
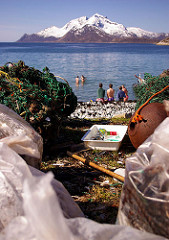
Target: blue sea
point(98, 62)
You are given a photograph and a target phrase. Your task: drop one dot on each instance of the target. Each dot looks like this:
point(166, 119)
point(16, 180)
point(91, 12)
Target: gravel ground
point(94, 110)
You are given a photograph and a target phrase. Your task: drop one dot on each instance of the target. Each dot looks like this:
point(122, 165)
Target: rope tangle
point(35, 94)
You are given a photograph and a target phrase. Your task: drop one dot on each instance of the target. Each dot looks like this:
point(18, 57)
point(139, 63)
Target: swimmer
point(77, 80)
point(83, 79)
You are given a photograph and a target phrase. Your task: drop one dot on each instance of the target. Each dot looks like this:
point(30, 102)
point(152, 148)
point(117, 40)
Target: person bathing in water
point(110, 93)
point(77, 80)
point(83, 79)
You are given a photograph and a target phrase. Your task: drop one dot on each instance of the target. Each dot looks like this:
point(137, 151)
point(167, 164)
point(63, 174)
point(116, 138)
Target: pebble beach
point(97, 110)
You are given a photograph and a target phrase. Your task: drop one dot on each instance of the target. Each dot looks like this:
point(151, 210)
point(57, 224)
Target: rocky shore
point(95, 110)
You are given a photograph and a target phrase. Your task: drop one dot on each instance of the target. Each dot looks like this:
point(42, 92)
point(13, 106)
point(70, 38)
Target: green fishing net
point(35, 94)
point(150, 86)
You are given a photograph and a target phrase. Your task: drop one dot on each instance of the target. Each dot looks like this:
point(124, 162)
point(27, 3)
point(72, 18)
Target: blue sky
point(31, 16)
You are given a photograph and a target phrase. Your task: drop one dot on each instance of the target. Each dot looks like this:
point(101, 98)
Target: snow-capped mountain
point(94, 29)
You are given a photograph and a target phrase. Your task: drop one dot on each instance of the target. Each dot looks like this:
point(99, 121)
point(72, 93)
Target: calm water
point(106, 63)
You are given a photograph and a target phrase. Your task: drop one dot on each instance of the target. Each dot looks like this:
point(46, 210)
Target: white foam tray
point(104, 144)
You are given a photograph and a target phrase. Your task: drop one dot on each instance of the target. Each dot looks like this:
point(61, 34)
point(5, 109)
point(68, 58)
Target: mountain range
point(96, 29)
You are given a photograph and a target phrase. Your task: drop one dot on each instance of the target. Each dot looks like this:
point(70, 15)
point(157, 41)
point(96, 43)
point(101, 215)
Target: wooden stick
point(91, 164)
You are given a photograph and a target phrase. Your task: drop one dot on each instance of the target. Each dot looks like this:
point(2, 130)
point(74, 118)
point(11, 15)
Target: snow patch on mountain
point(141, 33)
point(52, 31)
point(74, 24)
point(104, 24)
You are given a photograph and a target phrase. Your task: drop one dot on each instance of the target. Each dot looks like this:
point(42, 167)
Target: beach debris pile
point(23, 218)
point(33, 94)
point(95, 110)
point(23, 186)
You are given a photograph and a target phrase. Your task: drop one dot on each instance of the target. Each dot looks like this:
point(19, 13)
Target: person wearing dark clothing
point(100, 93)
point(121, 94)
point(126, 93)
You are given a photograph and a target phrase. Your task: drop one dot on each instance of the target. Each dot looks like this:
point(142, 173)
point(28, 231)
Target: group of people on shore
point(122, 94)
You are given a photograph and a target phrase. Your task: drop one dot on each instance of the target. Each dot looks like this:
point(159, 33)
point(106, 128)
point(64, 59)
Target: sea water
point(98, 62)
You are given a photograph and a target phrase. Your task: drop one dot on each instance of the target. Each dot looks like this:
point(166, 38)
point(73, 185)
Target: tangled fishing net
point(33, 94)
point(151, 86)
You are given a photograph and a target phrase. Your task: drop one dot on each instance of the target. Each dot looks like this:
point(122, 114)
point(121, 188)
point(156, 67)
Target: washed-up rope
point(63, 79)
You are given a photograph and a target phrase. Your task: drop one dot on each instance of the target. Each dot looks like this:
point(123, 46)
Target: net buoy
point(143, 125)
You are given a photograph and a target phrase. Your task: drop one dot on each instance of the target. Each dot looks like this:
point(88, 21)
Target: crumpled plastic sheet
point(144, 202)
point(20, 136)
point(69, 208)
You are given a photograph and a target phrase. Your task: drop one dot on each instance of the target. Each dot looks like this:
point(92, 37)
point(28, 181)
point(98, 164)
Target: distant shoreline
point(92, 42)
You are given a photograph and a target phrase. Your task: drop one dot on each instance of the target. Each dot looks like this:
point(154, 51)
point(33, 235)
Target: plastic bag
point(13, 171)
point(145, 196)
point(20, 136)
point(69, 208)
